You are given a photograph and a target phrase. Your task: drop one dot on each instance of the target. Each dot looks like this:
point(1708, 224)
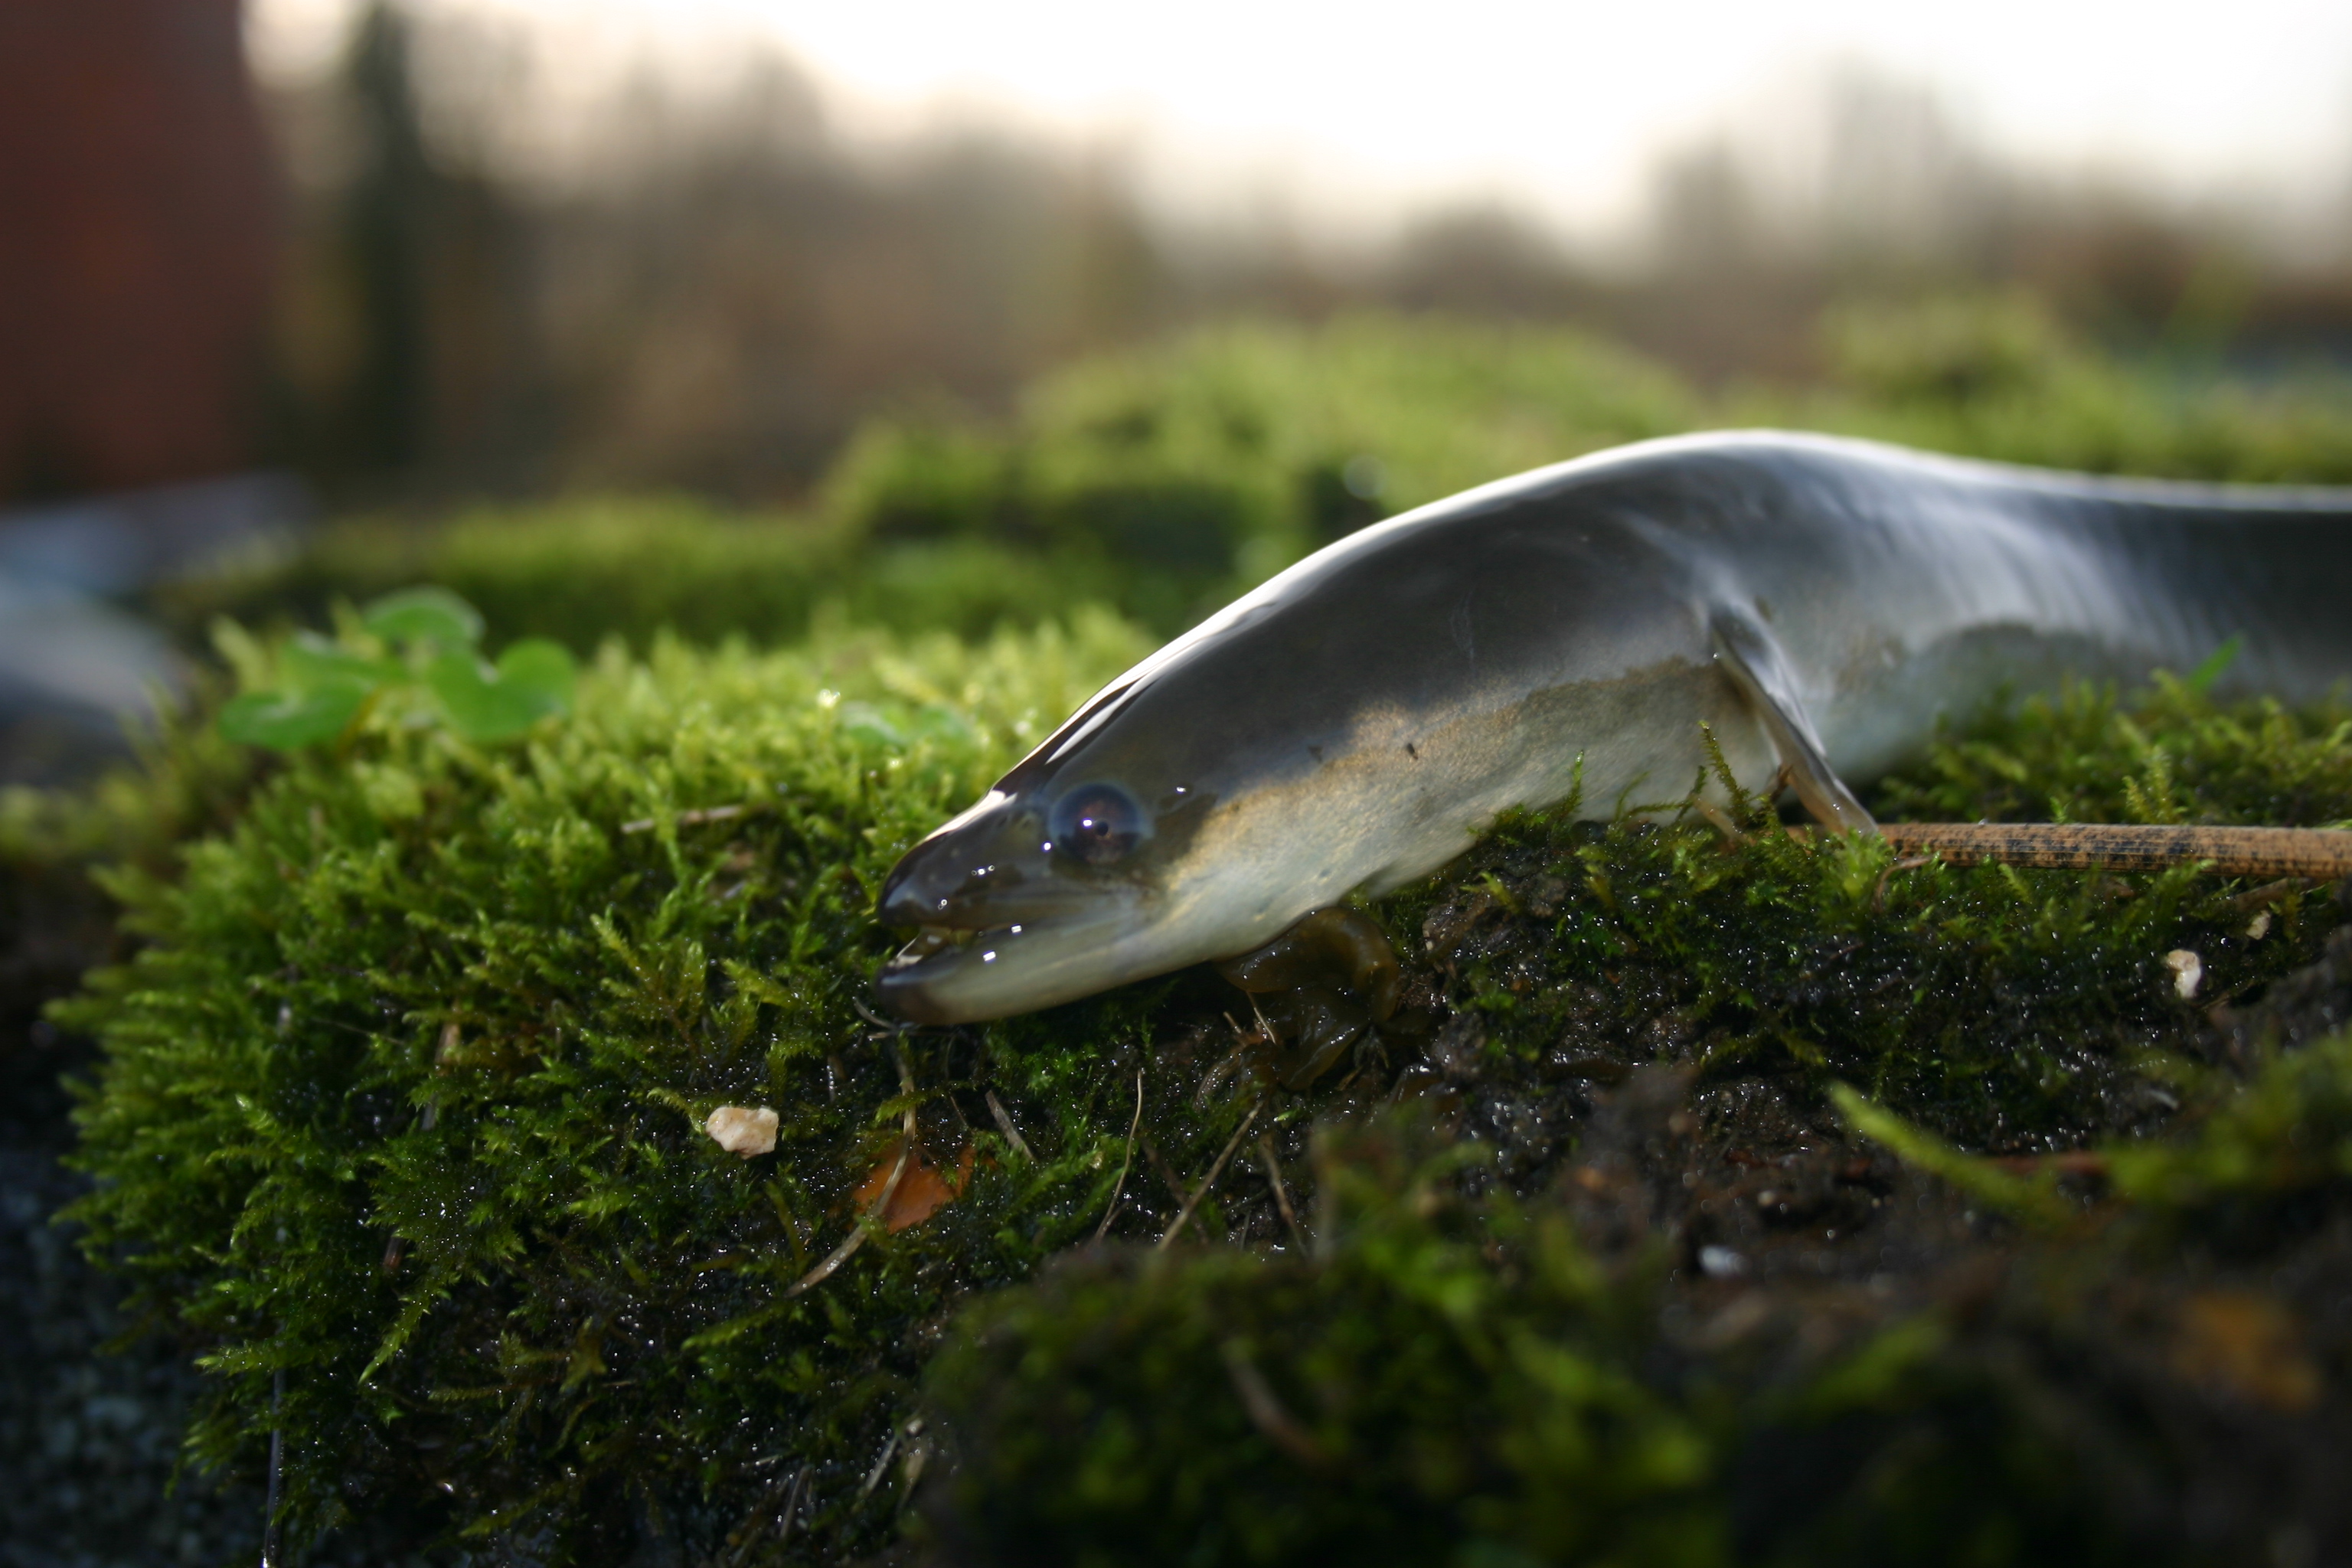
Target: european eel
point(1815, 603)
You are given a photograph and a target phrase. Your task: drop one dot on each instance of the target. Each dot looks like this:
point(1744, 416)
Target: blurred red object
point(138, 244)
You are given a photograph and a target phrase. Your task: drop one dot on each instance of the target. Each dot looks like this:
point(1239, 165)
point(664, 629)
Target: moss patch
point(400, 1120)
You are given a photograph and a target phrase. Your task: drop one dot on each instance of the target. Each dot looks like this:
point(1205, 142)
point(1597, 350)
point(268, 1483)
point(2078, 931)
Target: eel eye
point(1098, 823)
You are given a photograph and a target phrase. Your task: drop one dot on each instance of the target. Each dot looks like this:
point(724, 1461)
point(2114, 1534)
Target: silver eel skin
point(1354, 722)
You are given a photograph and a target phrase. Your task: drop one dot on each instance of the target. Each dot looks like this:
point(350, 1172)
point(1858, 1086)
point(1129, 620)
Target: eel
point(1582, 633)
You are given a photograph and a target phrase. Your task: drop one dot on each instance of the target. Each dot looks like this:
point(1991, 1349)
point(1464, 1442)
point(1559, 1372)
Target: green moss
point(401, 1115)
point(1472, 1383)
point(2011, 1009)
point(401, 1124)
point(1439, 1382)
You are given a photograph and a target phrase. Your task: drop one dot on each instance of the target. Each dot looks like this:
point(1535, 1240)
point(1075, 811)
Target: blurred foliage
point(1212, 462)
point(580, 571)
point(2000, 376)
point(1164, 481)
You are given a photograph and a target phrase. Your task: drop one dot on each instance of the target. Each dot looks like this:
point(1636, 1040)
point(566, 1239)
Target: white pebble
point(2187, 971)
point(2259, 927)
point(743, 1129)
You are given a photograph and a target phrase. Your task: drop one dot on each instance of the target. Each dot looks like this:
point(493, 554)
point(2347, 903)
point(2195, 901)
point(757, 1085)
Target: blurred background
point(733, 310)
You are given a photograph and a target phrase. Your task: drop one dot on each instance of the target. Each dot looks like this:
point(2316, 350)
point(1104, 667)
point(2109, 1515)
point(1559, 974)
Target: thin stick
point(700, 814)
point(1211, 1178)
point(1119, 1188)
point(1266, 1411)
point(1281, 1192)
point(881, 1205)
point(270, 1533)
point(857, 1238)
point(2322, 853)
point(752, 1532)
point(792, 1502)
point(874, 1475)
point(1005, 1125)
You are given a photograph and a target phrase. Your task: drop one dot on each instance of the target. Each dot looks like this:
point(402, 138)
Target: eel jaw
point(968, 973)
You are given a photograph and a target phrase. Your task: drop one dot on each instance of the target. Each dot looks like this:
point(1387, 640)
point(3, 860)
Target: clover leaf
point(532, 681)
point(322, 686)
point(430, 616)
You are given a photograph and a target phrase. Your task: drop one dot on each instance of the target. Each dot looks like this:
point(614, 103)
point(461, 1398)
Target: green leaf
point(290, 720)
point(430, 616)
point(311, 660)
point(868, 723)
point(545, 667)
point(2216, 664)
point(532, 681)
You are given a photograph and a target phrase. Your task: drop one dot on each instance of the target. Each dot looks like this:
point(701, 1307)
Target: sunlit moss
point(401, 1113)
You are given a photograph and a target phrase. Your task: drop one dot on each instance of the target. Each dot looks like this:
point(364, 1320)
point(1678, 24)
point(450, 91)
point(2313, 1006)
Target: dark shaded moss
point(1730, 1331)
point(1651, 1232)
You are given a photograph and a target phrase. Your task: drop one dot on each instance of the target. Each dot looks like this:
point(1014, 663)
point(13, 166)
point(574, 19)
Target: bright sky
point(1561, 106)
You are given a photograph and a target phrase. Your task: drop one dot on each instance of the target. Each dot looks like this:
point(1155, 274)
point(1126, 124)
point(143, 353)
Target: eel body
point(1577, 633)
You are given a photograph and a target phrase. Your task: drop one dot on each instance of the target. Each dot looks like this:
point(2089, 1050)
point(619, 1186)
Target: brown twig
point(873, 1216)
point(881, 1203)
point(2322, 853)
point(1004, 1124)
point(1210, 1180)
point(1119, 1188)
point(1281, 1192)
point(686, 818)
point(1267, 1413)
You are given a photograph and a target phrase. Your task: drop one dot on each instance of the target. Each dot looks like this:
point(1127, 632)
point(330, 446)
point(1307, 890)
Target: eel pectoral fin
point(1749, 654)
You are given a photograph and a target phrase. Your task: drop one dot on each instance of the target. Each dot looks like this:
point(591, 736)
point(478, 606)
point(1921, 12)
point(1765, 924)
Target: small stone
point(745, 1129)
point(2259, 927)
point(2188, 971)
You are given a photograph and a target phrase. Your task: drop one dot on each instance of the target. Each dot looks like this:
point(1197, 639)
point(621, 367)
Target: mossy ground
point(401, 1119)
point(1596, 1257)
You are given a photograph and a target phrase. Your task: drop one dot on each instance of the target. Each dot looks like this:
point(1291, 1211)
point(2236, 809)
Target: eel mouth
point(968, 973)
point(931, 941)
point(926, 980)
